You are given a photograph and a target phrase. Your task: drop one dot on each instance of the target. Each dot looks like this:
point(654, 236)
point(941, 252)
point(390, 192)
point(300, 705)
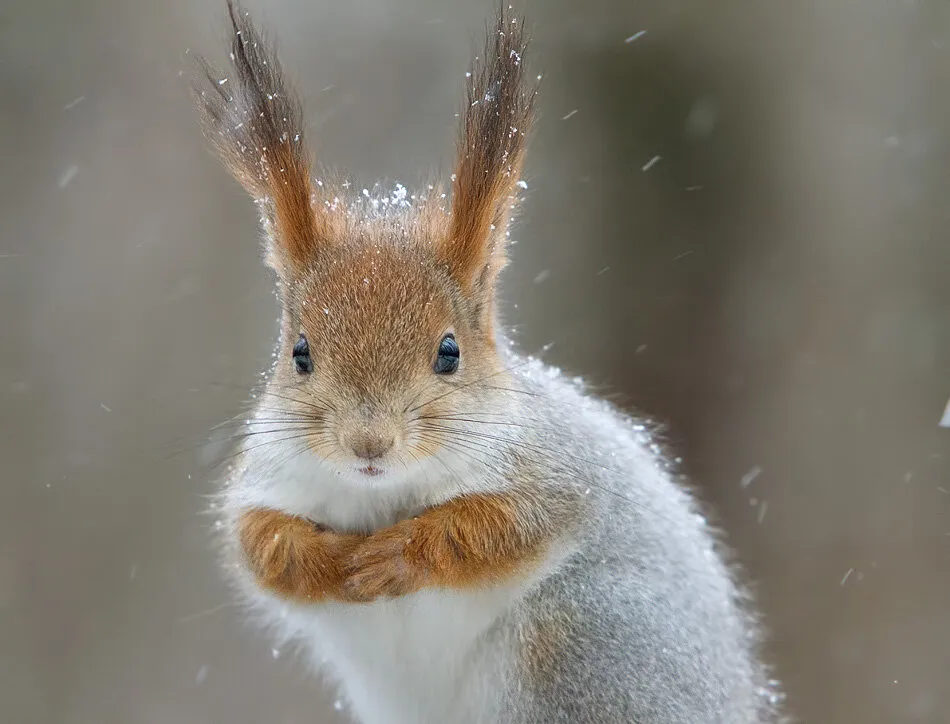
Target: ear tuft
point(254, 121)
point(491, 150)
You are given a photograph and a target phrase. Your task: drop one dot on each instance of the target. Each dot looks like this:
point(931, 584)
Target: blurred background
point(736, 224)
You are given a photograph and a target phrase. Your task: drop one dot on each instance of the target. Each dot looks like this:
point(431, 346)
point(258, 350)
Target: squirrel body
point(633, 617)
point(449, 530)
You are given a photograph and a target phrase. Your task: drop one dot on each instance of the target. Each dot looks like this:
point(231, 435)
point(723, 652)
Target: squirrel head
point(388, 341)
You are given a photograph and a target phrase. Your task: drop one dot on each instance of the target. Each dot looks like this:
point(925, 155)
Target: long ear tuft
point(491, 153)
point(254, 121)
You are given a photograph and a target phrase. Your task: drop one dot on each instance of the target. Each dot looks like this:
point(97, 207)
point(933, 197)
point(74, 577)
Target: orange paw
point(469, 542)
point(294, 557)
point(382, 565)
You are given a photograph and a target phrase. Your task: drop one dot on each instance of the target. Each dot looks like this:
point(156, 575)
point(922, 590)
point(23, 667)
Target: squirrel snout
point(371, 445)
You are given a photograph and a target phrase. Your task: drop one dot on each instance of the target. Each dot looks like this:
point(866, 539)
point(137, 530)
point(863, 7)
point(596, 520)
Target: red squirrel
point(450, 530)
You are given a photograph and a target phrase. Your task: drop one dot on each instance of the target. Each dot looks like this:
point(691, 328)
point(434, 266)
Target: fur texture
point(511, 549)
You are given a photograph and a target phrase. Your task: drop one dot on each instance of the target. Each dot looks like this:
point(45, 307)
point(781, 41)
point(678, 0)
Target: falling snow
point(67, 175)
point(750, 476)
point(945, 420)
point(73, 103)
point(702, 118)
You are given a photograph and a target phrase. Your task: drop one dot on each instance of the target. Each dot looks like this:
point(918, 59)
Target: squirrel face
point(387, 346)
point(380, 355)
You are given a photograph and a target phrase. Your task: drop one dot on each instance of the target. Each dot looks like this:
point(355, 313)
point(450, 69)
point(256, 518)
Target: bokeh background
point(737, 224)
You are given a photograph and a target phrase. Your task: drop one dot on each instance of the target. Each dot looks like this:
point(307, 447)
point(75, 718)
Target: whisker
point(258, 388)
point(548, 451)
point(469, 384)
point(206, 612)
point(252, 421)
point(268, 442)
point(453, 418)
point(322, 407)
point(515, 390)
point(478, 455)
point(584, 475)
point(474, 454)
point(293, 426)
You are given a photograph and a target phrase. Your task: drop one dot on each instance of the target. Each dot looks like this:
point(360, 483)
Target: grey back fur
point(647, 620)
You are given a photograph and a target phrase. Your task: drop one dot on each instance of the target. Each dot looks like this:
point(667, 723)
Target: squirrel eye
point(302, 356)
point(448, 360)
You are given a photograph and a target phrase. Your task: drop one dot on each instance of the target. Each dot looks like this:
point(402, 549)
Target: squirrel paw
point(295, 557)
point(381, 567)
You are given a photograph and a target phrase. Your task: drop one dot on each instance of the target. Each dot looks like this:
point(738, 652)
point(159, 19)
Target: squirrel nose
point(370, 446)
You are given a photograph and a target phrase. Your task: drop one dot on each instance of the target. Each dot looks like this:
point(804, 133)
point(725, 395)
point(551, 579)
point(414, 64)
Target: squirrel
point(450, 530)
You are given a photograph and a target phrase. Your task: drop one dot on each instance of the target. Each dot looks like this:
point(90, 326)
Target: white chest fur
point(433, 656)
point(430, 657)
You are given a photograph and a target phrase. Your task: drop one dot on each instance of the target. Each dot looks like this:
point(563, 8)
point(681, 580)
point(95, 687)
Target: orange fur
point(375, 327)
point(255, 123)
point(374, 293)
point(295, 558)
point(470, 541)
point(491, 150)
point(254, 120)
point(370, 288)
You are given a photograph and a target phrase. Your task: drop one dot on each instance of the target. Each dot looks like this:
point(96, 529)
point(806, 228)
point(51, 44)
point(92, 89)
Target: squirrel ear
point(254, 121)
point(491, 151)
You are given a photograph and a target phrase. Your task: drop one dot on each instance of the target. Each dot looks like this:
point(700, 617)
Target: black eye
point(302, 356)
point(448, 360)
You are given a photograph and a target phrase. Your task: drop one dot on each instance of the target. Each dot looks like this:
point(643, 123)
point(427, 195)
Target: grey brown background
point(790, 316)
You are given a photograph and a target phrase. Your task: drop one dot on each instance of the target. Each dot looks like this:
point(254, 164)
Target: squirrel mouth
point(371, 470)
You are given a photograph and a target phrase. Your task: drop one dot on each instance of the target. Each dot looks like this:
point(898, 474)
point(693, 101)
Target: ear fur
point(253, 119)
point(491, 150)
